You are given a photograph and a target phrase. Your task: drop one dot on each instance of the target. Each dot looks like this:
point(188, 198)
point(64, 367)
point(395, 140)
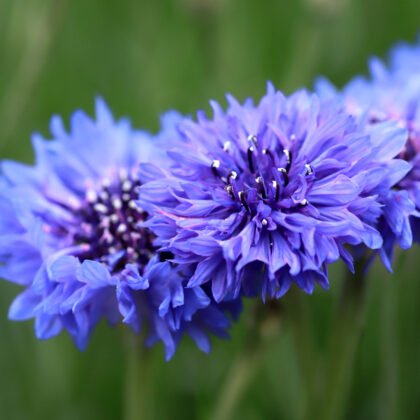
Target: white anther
point(264, 222)
point(114, 218)
point(304, 202)
point(126, 185)
point(233, 175)
point(101, 208)
point(126, 197)
point(215, 164)
point(258, 180)
point(226, 146)
point(287, 153)
point(91, 196)
point(253, 138)
point(116, 203)
point(132, 204)
point(282, 170)
point(309, 170)
point(122, 228)
point(293, 137)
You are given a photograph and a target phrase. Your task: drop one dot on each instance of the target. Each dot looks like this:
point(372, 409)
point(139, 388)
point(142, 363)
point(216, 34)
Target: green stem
point(248, 362)
point(138, 392)
point(389, 345)
point(239, 377)
point(345, 336)
point(299, 317)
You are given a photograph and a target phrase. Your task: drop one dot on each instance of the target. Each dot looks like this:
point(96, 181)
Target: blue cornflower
point(391, 95)
point(263, 196)
point(70, 234)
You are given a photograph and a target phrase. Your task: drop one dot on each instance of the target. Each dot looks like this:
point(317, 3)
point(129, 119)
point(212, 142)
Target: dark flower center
point(110, 225)
point(264, 175)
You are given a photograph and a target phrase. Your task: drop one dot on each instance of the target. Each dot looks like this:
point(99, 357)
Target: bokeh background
point(145, 57)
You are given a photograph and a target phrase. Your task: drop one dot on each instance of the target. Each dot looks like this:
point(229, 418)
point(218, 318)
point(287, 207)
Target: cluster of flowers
point(169, 232)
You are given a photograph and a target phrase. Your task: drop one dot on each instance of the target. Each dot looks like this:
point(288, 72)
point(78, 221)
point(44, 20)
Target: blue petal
point(94, 274)
point(24, 306)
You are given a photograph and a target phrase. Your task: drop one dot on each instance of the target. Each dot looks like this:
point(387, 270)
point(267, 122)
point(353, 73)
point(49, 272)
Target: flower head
point(391, 95)
point(70, 233)
point(263, 196)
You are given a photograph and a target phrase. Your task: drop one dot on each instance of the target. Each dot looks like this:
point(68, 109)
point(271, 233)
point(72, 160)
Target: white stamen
point(117, 204)
point(215, 164)
point(101, 208)
point(264, 222)
point(253, 138)
point(127, 185)
point(91, 196)
point(226, 146)
point(122, 228)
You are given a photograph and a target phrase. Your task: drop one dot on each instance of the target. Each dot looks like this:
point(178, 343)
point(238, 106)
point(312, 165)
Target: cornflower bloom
point(71, 234)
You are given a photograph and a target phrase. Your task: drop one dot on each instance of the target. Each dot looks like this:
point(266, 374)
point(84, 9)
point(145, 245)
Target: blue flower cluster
point(390, 95)
point(70, 233)
point(169, 232)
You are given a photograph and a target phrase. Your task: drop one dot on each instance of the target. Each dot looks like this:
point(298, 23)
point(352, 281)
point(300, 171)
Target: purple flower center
point(110, 225)
point(259, 174)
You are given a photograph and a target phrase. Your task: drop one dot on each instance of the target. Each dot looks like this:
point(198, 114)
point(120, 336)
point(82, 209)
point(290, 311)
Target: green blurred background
point(145, 57)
